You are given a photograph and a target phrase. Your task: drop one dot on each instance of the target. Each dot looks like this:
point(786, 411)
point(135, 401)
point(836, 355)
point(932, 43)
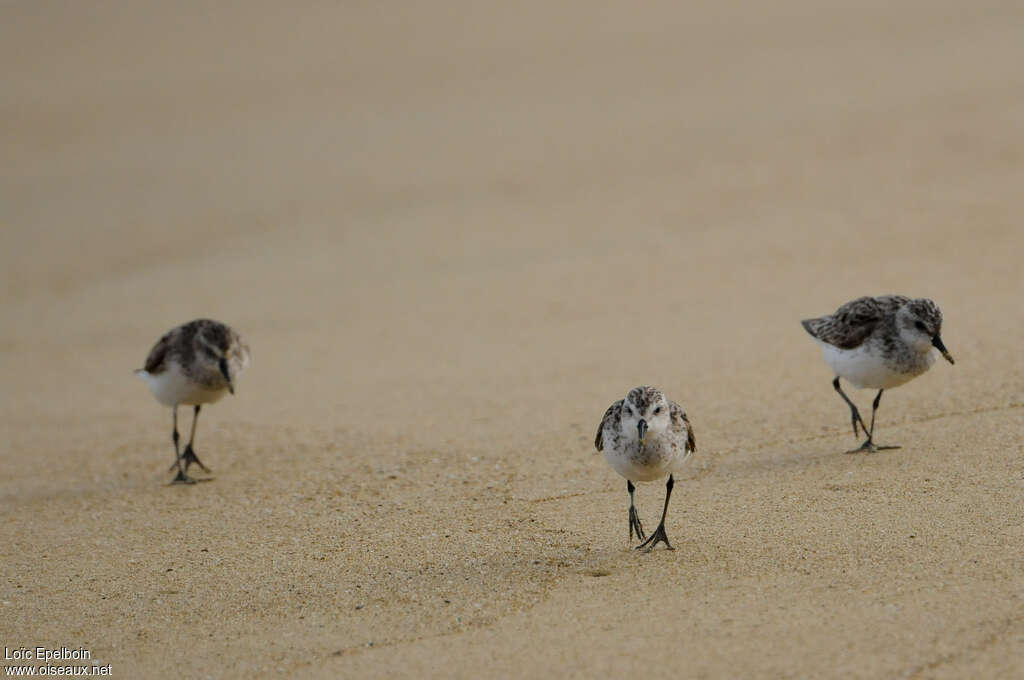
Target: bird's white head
point(222, 352)
point(919, 323)
point(645, 409)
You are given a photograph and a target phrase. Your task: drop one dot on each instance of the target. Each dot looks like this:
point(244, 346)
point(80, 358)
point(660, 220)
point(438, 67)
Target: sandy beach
point(452, 235)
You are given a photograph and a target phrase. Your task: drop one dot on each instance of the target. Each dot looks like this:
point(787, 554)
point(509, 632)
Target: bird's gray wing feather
point(156, 362)
point(681, 424)
point(610, 415)
point(854, 322)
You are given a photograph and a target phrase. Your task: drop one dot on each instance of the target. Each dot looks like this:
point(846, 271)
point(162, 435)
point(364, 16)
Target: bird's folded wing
point(611, 415)
point(156, 361)
point(681, 424)
point(854, 322)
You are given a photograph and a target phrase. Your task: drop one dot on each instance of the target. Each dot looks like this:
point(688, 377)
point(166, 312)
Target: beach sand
point(452, 236)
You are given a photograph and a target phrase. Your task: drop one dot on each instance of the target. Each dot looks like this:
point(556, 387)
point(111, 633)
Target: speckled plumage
point(645, 437)
point(880, 343)
point(194, 364)
point(661, 452)
point(202, 338)
point(872, 341)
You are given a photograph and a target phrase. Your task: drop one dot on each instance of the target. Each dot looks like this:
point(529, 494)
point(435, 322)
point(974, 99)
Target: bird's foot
point(871, 447)
point(635, 525)
point(189, 456)
point(182, 478)
point(654, 539)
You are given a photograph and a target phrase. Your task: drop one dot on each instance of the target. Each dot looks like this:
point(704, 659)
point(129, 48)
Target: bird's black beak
point(937, 341)
point(641, 429)
point(227, 376)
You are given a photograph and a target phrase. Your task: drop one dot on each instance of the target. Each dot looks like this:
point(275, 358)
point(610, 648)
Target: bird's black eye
point(919, 326)
point(657, 410)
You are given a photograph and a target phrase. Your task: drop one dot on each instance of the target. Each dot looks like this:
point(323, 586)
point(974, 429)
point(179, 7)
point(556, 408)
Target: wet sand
point(452, 237)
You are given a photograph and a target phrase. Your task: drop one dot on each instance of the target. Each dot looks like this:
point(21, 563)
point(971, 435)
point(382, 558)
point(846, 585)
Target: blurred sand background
point(453, 234)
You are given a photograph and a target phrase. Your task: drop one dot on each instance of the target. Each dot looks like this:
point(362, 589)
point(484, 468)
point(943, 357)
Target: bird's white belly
point(863, 368)
point(653, 463)
point(172, 387)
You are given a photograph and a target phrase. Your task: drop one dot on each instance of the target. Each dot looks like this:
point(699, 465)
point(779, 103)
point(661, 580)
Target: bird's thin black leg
point(181, 477)
point(874, 409)
point(190, 455)
point(659, 534)
point(854, 413)
point(871, 434)
point(634, 517)
point(869, 446)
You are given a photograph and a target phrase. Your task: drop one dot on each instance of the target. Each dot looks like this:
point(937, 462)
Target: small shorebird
point(644, 437)
point(193, 364)
point(879, 343)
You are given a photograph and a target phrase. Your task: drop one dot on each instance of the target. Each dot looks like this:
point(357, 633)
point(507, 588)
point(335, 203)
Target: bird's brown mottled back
point(855, 321)
point(180, 342)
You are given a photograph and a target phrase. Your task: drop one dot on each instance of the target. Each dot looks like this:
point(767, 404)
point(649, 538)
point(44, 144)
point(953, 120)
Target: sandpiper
point(644, 437)
point(879, 343)
point(194, 364)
